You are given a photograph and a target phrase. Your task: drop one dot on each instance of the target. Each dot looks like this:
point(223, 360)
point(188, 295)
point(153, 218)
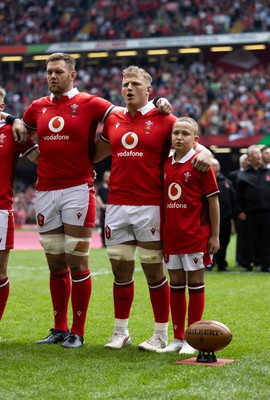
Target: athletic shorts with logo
point(126, 223)
point(187, 262)
point(73, 206)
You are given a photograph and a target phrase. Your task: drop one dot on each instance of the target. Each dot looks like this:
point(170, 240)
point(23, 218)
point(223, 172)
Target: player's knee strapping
point(77, 246)
point(53, 244)
point(121, 252)
point(150, 256)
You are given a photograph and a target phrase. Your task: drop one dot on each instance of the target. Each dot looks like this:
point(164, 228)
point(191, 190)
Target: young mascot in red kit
point(191, 229)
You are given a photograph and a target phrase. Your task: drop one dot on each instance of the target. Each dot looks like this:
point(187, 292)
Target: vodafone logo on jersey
point(56, 124)
point(174, 193)
point(129, 140)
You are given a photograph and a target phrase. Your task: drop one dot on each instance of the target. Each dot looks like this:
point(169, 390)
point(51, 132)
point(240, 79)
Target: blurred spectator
point(227, 204)
point(240, 226)
point(266, 156)
point(243, 163)
point(253, 202)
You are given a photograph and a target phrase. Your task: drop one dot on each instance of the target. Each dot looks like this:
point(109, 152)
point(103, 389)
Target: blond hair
point(134, 70)
point(190, 121)
point(68, 59)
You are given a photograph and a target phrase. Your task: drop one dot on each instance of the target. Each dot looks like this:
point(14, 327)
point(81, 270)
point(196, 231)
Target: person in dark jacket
point(227, 202)
point(240, 226)
point(266, 156)
point(243, 163)
point(253, 202)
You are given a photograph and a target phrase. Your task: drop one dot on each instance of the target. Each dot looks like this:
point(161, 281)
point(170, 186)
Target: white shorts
point(6, 230)
point(74, 206)
point(125, 223)
point(187, 262)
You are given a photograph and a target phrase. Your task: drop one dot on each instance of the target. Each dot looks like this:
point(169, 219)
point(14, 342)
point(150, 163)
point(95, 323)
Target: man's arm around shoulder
point(203, 160)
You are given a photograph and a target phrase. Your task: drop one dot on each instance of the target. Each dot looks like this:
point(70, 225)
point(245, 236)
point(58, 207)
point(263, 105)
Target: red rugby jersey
point(66, 132)
point(140, 145)
point(186, 211)
point(9, 154)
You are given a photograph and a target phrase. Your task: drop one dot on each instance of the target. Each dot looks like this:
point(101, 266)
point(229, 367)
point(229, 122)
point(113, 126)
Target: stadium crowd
point(225, 103)
point(24, 204)
point(39, 21)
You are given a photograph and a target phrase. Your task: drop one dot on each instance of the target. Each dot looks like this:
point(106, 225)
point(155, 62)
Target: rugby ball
point(208, 335)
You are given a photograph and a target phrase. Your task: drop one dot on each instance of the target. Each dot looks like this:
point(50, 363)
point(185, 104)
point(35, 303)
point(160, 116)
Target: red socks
point(179, 305)
point(80, 297)
point(4, 293)
point(123, 295)
point(196, 303)
point(60, 287)
point(178, 310)
point(160, 300)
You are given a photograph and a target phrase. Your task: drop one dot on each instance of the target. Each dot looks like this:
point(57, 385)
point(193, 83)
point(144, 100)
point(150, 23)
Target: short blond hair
point(190, 121)
point(134, 70)
point(68, 59)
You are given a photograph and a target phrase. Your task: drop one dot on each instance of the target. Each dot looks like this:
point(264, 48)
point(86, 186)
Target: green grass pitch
point(28, 371)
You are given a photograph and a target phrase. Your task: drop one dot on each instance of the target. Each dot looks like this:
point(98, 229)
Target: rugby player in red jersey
point(65, 123)
point(9, 154)
point(139, 140)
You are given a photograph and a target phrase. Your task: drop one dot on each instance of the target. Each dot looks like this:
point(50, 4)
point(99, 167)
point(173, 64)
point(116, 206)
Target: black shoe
point(223, 269)
point(73, 341)
point(248, 269)
point(54, 337)
point(265, 269)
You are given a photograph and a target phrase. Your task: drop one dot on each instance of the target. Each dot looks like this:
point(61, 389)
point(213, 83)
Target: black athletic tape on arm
point(10, 119)
point(156, 99)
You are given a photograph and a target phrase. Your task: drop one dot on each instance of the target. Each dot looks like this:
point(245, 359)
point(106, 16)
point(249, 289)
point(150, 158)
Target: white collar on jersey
point(185, 158)
point(148, 107)
point(71, 93)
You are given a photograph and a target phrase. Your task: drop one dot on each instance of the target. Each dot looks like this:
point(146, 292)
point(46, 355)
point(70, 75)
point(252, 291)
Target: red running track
point(29, 240)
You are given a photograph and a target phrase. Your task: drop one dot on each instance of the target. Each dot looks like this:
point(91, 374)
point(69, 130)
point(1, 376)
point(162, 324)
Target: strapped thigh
point(121, 252)
point(77, 246)
point(150, 256)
